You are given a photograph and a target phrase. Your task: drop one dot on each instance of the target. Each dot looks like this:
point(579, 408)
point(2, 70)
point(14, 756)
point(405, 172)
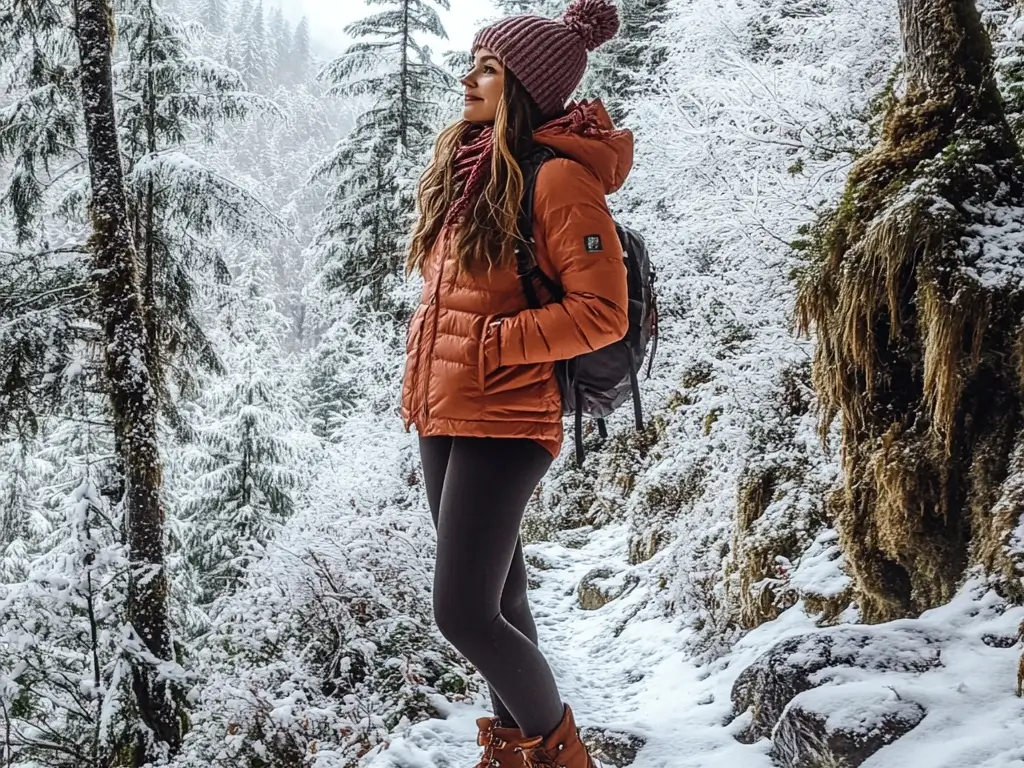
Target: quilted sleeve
point(582, 243)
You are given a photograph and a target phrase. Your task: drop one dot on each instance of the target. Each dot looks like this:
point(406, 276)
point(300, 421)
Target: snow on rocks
point(842, 726)
point(801, 663)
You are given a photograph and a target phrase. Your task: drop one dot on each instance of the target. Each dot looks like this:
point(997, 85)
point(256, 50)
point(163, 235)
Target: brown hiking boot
point(501, 745)
point(561, 748)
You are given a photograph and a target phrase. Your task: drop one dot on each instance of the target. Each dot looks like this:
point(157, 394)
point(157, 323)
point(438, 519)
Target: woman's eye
point(488, 70)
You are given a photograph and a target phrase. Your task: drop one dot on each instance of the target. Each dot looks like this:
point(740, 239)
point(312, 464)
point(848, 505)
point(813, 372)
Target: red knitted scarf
point(470, 166)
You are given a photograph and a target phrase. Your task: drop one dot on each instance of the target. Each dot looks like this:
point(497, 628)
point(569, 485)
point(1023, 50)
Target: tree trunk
point(116, 285)
point(407, 43)
point(918, 335)
point(948, 58)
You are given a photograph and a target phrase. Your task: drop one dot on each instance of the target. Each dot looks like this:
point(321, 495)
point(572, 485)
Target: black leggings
point(477, 489)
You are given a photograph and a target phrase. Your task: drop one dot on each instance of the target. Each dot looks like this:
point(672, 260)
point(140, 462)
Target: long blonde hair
point(489, 232)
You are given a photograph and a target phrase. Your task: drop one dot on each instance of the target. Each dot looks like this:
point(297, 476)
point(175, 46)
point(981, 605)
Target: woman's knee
point(462, 620)
point(514, 602)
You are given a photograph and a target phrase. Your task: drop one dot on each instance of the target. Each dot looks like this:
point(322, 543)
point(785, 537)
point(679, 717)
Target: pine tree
point(257, 57)
point(550, 8)
point(44, 283)
point(73, 681)
point(241, 482)
point(279, 39)
point(621, 70)
point(243, 15)
point(179, 205)
point(299, 56)
point(21, 520)
point(1005, 19)
point(334, 385)
point(361, 237)
point(213, 15)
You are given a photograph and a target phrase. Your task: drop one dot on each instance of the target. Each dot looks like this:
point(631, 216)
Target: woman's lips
point(472, 98)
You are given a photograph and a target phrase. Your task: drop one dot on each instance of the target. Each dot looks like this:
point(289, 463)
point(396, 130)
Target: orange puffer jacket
point(480, 363)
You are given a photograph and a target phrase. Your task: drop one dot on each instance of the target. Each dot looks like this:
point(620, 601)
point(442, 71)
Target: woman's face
point(485, 86)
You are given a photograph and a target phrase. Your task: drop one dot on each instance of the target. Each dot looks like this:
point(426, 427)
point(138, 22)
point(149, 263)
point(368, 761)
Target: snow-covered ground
point(636, 680)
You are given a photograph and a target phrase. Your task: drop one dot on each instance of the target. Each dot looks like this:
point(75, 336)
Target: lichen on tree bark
point(115, 283)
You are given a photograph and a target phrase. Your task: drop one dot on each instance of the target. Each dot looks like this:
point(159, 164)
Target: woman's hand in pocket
point(490, 348)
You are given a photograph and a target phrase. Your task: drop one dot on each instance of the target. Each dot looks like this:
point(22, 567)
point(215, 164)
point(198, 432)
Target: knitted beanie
point(549, 56)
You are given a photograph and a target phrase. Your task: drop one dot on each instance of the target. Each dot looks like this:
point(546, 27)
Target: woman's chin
point(472, 113)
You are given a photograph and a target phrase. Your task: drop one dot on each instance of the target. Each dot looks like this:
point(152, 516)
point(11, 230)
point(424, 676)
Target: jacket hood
point(586, 134)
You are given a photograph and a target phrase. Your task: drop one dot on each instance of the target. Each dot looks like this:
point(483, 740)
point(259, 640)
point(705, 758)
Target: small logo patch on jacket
point(593, 243)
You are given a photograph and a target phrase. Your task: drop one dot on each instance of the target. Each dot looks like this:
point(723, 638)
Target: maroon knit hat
point(549, 56)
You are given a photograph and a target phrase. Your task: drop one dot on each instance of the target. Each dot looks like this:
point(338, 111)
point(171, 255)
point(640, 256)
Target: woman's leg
point(515, 606)
point(487, 484)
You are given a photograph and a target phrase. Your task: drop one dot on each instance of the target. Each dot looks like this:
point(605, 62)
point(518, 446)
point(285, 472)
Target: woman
point(479, 384)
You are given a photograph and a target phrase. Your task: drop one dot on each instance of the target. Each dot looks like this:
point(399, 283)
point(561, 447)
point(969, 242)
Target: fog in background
point(328, 19)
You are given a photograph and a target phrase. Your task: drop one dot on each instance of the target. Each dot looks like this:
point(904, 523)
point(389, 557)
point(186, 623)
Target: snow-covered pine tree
point(180, 206)
point(116, 285)
point(541, 7)
point(44, 280)
point(300, 54)
point(240, 469)
point(361, 237)
point(620, 71)
point(243, 12)
point(256, 61)
point(22, 522)
point(279, 34)
point(65, 647)
point(1005, 21)
point(213, 15)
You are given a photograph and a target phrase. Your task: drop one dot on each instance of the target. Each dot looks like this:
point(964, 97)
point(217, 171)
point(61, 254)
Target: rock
point(645, 544)
point(539, 561)
point(841, 726)
point(798, 664)
point(576, 538)
point(999, 641)
point(592, 594)
point(613, 748)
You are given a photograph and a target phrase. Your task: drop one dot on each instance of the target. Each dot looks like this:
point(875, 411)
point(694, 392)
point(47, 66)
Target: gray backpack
point(598, 382)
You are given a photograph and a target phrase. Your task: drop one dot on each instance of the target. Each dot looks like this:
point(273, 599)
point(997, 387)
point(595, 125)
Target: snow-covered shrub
point(329, 644)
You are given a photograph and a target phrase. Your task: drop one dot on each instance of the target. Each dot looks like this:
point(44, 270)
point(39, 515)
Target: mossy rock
point(592, 595)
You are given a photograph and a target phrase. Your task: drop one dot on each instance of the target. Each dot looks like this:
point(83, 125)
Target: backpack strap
point(528, 269)
point(526, 261)
point(579, 429)
point(654, 334)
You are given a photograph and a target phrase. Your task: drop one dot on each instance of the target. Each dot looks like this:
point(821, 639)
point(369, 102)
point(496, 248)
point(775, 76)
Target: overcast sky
point(328, 17)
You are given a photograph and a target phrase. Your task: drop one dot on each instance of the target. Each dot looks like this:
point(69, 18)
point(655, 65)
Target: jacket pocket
point(487, 351)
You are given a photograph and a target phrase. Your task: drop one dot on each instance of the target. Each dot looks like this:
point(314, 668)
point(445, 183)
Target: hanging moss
point(918, 348)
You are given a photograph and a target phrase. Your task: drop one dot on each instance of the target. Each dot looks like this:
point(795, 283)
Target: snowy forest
point(215, 548)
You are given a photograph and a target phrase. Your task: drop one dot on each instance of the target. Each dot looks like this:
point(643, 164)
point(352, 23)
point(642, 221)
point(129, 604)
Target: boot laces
point(539, 758)
point(491, 742)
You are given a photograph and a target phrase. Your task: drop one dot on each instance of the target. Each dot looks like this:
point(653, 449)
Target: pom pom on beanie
point(596, 21)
